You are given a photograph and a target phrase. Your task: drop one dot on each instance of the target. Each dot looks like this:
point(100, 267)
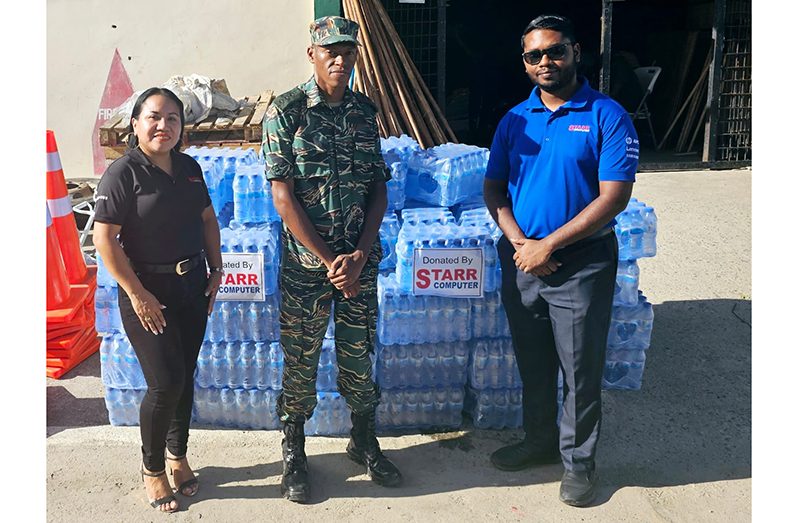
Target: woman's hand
point(214, 281)
point(148, 309)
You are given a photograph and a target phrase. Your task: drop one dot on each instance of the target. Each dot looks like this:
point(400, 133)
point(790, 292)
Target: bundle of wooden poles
point(694, 110)
point(385, 73)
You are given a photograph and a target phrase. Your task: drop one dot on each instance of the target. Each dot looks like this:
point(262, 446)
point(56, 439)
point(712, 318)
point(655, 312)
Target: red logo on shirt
point(579, 128)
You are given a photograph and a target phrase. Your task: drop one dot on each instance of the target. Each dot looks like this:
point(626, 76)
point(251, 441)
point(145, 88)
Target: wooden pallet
point(244, 130)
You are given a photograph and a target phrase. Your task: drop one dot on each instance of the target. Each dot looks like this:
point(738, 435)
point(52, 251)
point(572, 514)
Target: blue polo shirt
point(553, 161)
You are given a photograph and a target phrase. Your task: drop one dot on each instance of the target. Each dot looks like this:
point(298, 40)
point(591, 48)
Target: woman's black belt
point(182, 267)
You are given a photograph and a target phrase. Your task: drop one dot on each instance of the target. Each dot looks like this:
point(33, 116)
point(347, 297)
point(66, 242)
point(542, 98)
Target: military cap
point(329, 30)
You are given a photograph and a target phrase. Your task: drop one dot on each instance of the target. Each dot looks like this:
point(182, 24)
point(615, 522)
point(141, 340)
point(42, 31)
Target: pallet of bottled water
point(436, 229)
point(396, 151)
point(422, 365)
point(236, 408)
point(123, 405)
point(446, 174)
point(427, 408)
point(494, 408)
point(488, 319)
point(404, 318)
point(119, 366)
point(236, 183)
point(245, 320)
point(492, 364)
point(331, 417)
point(493, 395)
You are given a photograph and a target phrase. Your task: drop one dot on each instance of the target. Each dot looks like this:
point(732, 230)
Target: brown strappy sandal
point(186, 484)
point(160, 501)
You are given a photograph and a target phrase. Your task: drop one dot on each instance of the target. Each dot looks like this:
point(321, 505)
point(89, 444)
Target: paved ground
point(678, 450)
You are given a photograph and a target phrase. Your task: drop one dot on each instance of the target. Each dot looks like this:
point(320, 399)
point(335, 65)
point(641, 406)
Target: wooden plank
point(222, 123)
point(254, 132)
point(121, 126)
point(107, 134)
point(112, 153)
point(244, 115)
point(263, 104)
point(206, 124)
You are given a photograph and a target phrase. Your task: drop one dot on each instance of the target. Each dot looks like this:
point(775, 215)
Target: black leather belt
point(180, 268)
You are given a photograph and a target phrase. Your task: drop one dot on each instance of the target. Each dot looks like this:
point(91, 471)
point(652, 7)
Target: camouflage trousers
point(305, 311)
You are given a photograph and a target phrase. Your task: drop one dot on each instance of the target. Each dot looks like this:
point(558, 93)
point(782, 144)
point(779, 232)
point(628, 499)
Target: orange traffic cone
point(57, 283)
point(60, 207)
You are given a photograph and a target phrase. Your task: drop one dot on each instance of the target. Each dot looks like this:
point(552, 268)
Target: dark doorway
point(484, 73)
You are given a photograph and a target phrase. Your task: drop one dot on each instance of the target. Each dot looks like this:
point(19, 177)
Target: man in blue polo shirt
point(561, 167)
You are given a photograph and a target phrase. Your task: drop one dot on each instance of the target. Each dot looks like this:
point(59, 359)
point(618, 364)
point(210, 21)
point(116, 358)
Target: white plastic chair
point(647, 76)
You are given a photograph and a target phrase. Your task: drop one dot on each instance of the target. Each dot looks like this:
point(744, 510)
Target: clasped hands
point(344, 272)
point(534, 257)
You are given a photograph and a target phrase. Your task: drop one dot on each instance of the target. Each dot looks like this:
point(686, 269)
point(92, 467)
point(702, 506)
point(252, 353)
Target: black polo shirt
point(160, 215)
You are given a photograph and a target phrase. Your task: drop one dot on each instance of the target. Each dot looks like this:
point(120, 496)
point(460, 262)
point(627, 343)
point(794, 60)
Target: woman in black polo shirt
point(155, 199)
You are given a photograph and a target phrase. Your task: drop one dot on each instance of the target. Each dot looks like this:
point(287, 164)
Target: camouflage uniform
point(332, 154)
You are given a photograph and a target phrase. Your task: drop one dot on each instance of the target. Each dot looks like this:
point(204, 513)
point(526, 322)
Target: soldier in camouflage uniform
point(322, 151)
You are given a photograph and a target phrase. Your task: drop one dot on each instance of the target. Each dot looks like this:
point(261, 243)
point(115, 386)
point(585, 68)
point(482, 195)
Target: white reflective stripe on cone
point(49, 218)
point(60, 207)
point(53, 161)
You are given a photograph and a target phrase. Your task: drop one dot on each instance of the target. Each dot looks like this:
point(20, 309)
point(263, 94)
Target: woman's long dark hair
point(132, 140)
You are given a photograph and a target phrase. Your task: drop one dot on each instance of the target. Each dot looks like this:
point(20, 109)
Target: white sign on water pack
point(455, 273)
point(243, 278)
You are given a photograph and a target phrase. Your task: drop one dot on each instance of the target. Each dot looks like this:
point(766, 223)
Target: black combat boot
point(364, 448)
point(295, 485)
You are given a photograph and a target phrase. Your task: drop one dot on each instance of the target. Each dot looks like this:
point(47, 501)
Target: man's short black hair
point(554, 23)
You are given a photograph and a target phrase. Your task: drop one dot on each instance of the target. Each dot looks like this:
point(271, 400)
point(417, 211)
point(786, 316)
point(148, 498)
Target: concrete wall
point(254, 45)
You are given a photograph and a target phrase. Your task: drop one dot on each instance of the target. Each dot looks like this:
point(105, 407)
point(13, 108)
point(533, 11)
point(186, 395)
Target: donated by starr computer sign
point(456, 273)
point(243, 277)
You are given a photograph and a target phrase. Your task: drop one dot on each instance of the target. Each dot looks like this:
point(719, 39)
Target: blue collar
point(578, 100)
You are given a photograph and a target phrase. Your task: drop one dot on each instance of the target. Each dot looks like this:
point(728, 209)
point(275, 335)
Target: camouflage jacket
point(332, 155)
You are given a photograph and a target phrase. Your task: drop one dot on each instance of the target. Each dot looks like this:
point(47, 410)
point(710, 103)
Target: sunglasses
point(555, 52)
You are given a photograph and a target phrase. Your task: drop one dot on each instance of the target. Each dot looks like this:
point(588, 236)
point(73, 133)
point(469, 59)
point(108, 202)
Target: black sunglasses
point(555, 52)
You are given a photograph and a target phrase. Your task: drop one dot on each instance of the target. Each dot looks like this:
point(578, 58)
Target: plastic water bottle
point(102, 321)
point(244, 414)
point(491, 262)
point(479, 365)
point(241, 207)
point(235, 373)
point(246, 361)
point(203, 373)
point(276, 365)
point(135, 374)
point(262, 372)
point(113, 400)
point(257, 197)
point(650, 234)
point(104, 278)
point(201, 407)
point(271, 320)
point(231, 321)
point(214, 331)
point(227, 400)
point(626, 283)
point(220, 367)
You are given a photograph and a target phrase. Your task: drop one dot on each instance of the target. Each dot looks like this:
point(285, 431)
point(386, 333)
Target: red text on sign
point(423, 276)
point(241, 279)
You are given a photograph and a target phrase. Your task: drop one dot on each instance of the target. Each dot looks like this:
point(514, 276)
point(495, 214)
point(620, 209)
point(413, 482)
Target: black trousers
point(558, 322)
point(168, 360)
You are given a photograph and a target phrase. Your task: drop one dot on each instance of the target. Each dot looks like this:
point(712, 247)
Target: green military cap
point(329, 30)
